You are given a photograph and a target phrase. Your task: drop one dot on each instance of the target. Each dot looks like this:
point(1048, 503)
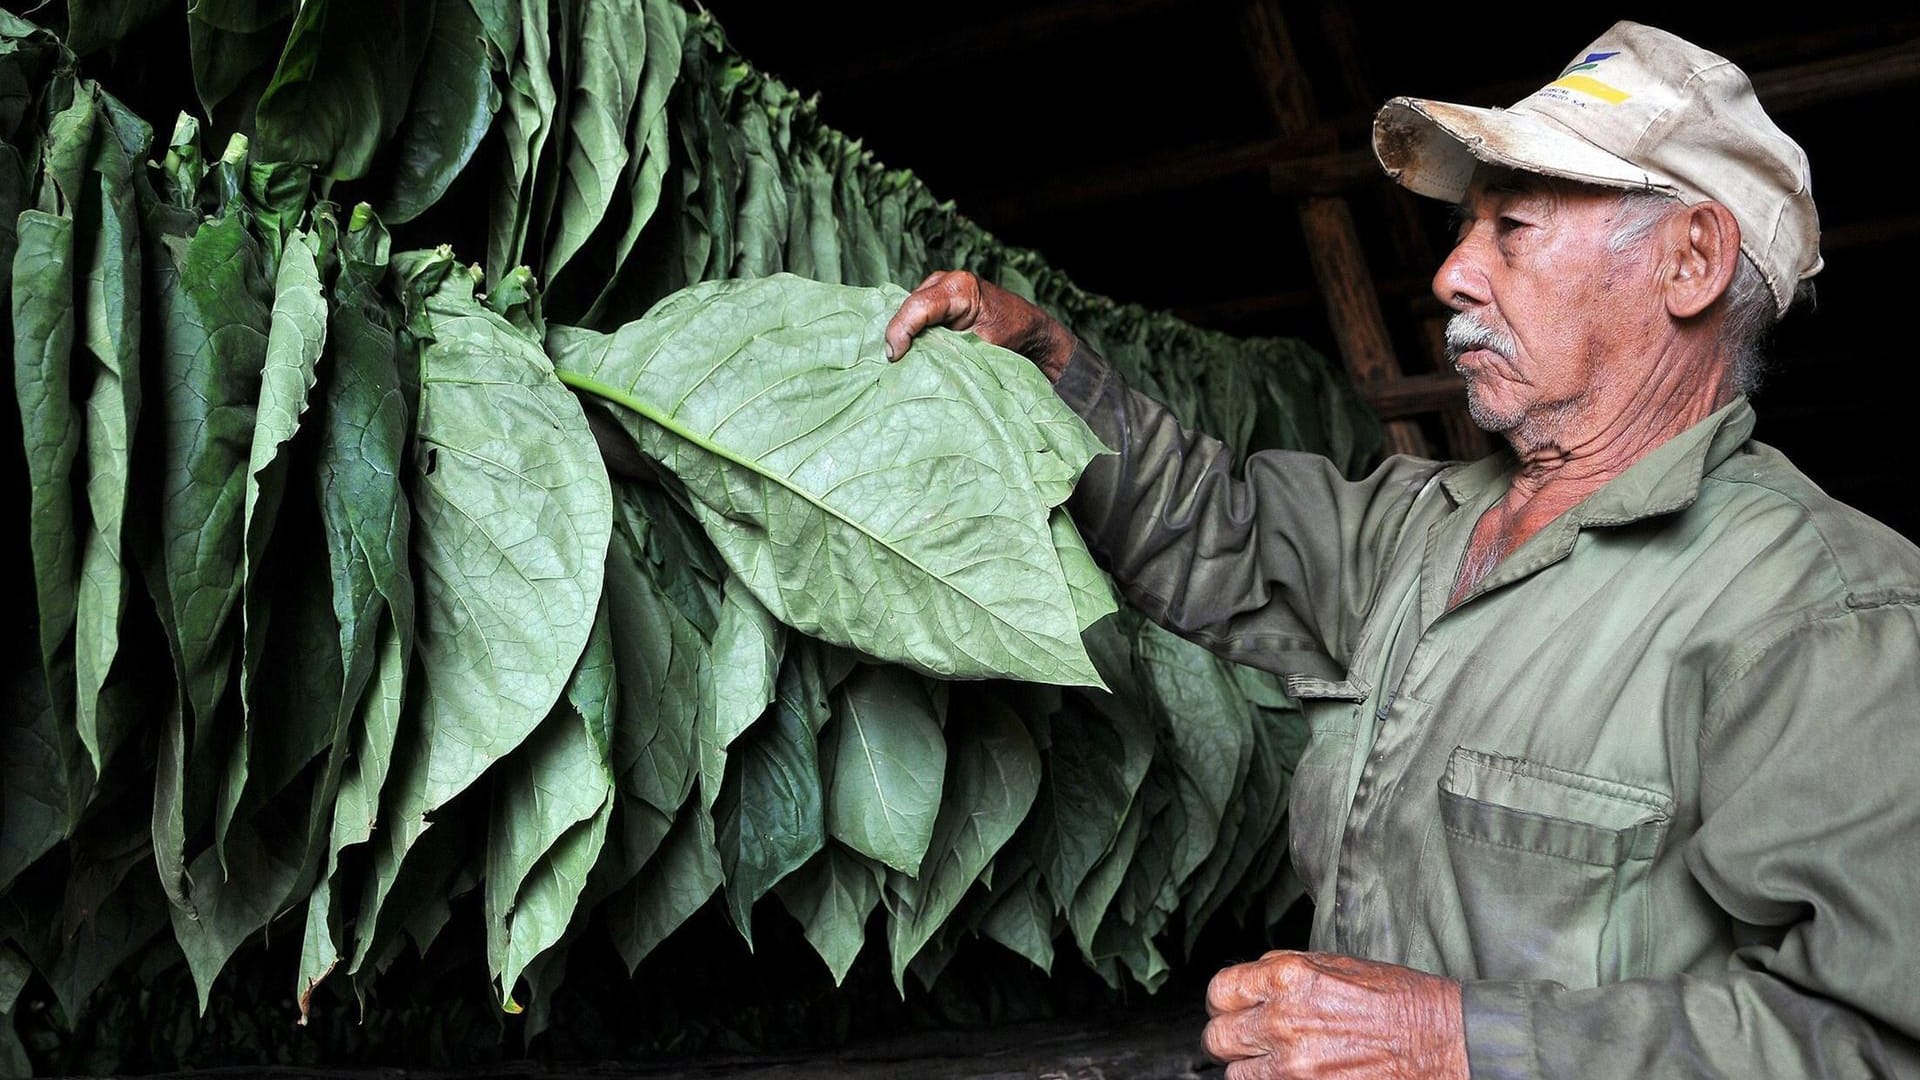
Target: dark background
point(1130, 142)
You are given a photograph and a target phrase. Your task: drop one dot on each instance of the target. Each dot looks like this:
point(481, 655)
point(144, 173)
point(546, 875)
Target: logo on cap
point(1571, 79)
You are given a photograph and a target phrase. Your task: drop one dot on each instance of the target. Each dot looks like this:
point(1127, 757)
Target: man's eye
point(1508, 224)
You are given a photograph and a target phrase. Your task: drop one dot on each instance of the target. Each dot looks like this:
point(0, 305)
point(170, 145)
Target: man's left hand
point(1297, 1014)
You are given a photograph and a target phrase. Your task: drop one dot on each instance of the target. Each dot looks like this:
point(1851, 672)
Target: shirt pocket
point(1551, 868)
point(1318, 799)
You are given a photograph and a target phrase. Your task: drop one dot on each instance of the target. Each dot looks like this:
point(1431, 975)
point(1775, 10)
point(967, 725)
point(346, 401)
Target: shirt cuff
point(1498, 1017)
point(1084, 378)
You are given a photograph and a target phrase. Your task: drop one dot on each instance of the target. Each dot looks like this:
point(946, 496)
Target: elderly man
point(1614, 734)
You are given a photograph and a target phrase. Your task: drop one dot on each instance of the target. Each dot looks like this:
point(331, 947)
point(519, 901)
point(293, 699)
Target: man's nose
point(1459, 283)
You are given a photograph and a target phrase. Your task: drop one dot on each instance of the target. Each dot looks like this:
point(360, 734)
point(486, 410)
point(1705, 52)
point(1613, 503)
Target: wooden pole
point(1339, 265)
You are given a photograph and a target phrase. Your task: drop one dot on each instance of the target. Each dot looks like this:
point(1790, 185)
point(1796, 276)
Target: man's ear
point(1704, 256)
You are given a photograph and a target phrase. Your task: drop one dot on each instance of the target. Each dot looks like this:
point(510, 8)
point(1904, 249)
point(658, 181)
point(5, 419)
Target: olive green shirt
point(1651, 791)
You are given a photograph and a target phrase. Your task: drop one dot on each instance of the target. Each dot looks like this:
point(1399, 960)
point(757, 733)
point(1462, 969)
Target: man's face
point(1553, 331)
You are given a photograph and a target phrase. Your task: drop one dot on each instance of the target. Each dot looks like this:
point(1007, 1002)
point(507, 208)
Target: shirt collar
point(1667, 478)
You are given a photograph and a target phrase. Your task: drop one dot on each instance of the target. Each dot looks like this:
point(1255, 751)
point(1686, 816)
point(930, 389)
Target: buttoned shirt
point(1651, 790)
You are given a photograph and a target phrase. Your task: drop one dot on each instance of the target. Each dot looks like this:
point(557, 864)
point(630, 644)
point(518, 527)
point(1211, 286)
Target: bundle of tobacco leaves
point(338, 614)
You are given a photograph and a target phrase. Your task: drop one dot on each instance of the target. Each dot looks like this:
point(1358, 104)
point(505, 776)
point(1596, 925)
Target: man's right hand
point(959, 300)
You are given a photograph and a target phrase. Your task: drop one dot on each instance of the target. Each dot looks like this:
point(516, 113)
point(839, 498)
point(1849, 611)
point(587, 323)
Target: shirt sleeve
point(1274, 568)
point(1810, 839)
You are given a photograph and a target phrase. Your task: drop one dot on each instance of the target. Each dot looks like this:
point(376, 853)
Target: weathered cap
point(1638, 108)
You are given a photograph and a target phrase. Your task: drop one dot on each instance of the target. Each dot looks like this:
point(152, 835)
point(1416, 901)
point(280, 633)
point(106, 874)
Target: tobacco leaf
point(889, 507)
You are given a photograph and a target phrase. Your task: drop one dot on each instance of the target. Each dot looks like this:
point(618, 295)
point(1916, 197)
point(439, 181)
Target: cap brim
point(1432, 148)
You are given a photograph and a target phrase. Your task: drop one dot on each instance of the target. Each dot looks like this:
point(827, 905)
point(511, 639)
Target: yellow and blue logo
point(1574, 79)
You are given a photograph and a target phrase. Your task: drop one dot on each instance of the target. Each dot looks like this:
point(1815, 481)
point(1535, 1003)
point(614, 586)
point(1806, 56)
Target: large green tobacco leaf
point(111, 333)
point(889, 758)
point(765, 205)
point(512, 514)
point(43, 334)
point(1091, 589)
point(548, 180)
point(363, 420)
point(453, 102)
point(992, 776)
point(111, 907)
point(889, 507)
point(1186, 794)
point(45, 296)
point(273, 844)
point(215, 312)
point(342, 85)
point(709, 171)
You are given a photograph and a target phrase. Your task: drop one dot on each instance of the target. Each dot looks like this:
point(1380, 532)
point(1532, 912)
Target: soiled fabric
point(1652, 790)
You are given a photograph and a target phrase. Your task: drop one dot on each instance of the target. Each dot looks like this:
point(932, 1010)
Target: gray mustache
point(1464, 335)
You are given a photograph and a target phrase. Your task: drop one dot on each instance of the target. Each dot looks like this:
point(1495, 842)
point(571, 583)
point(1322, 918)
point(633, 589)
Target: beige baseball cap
point(1638, 108)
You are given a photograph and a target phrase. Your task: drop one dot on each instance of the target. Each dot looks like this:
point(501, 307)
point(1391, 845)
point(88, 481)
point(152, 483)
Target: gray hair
point(1750, 308)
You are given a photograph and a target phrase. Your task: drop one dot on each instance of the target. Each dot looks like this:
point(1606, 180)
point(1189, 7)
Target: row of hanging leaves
point(339, 614)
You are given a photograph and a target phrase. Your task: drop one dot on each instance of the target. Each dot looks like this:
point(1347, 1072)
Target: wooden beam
point(1270, 47)
point(1411, 395)
point(1333, 245)
point(1341, 30)
point(1324, 174)
point(1353, 307)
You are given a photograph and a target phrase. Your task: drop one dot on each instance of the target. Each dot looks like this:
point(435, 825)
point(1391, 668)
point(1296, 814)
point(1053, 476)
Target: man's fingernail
point(889, 350)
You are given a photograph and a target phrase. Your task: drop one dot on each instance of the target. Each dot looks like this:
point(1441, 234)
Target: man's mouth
point(1469, 343)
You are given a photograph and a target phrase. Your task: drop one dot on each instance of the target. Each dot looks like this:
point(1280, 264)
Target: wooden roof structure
point(1212, 157)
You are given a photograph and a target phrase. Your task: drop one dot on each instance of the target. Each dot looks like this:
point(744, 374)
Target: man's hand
point(961, 301)
point(1296, 1014)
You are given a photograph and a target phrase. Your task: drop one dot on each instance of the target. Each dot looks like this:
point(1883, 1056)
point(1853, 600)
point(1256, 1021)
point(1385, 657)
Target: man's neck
point(1562, 464)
